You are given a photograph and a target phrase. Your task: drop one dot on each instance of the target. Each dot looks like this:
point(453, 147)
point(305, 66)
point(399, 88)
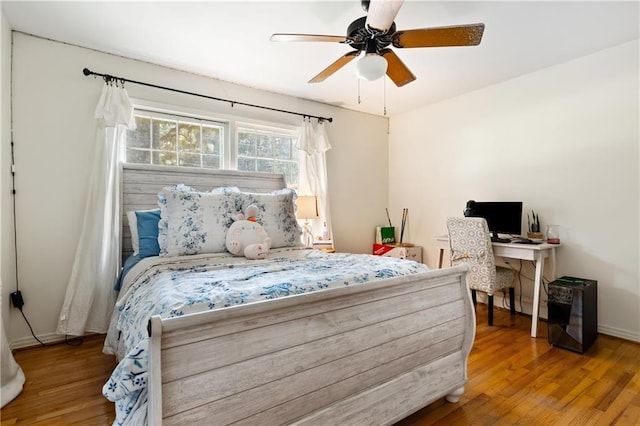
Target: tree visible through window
point(168, 141)
point(185, 141)
point(269, 152)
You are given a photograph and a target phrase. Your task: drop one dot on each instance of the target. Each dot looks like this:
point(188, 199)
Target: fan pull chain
point(384, 94)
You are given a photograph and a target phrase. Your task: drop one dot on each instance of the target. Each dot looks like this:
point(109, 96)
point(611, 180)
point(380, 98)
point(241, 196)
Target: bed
point(348, 346)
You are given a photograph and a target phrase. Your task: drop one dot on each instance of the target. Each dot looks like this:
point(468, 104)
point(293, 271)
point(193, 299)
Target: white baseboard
point(27, 342)
point(616, 332)
point(499, 300)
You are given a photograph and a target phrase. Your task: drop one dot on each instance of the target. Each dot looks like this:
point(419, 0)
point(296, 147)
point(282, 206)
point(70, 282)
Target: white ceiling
point(230, 41)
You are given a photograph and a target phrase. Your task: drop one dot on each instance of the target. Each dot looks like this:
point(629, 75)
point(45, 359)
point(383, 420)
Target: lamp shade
point(307, 207)
point(371, 67)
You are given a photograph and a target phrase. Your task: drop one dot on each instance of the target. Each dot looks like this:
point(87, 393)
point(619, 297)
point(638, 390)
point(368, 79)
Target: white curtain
point(90, 296)
point(314, 143)
point(11, 375)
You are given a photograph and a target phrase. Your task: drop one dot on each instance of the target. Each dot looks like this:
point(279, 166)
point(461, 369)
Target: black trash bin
point(573, 313)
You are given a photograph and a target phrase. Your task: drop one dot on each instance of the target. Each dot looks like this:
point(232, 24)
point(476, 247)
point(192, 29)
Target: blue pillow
point(148, 233)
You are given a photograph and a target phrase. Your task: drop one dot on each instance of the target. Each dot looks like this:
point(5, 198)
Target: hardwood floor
point(63, 385)
point(513, 380)
point(517, 380)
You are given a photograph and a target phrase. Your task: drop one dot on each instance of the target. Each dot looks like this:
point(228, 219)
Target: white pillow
point(133, 228)
point(193, 222)
point(276, 214)
point(162, 225)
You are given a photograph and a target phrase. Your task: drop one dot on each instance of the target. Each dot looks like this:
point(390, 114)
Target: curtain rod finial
point(86, 71)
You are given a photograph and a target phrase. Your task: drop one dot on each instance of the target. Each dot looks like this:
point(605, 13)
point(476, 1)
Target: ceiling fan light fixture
point(376, 33)
point(371, 67)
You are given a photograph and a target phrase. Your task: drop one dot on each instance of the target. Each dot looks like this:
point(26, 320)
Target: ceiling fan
point(372, 34)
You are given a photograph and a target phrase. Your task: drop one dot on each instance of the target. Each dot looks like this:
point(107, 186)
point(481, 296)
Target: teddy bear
point(247, 237)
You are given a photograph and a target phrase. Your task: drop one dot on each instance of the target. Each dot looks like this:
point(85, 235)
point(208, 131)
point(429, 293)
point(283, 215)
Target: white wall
point(54, 137)
point(6, 234)
point(565, 142)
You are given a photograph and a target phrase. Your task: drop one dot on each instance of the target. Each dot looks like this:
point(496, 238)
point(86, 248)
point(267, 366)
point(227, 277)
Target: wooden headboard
point(141, 184)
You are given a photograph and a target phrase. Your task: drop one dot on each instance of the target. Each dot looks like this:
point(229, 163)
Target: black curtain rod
point(107, 78)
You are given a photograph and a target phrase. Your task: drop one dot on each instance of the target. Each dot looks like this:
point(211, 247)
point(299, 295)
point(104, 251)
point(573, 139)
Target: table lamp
point(307, 209)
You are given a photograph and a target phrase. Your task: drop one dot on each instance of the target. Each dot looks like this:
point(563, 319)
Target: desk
point(535, 252)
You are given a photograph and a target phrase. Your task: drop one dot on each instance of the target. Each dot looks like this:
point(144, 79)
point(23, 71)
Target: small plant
point(534, 222)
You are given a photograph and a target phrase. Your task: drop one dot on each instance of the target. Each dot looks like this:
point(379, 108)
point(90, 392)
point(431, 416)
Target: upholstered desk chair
point(470, 243)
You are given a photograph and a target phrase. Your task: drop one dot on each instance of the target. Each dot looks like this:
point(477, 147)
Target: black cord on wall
point(16, 297)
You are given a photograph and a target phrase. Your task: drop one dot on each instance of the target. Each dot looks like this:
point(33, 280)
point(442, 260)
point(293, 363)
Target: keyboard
point(500, 240)
point(524, 241)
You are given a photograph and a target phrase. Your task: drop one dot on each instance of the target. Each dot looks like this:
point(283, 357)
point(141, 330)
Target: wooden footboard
point(369, 354)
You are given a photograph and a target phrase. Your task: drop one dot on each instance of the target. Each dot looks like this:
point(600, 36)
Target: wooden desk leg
point(440, 260)
point(536, 293)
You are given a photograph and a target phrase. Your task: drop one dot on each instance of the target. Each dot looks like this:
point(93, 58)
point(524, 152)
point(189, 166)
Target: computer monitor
point(504, 217)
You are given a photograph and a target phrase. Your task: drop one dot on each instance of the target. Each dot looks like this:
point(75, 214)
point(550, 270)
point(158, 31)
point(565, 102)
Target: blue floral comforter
point(172, 287)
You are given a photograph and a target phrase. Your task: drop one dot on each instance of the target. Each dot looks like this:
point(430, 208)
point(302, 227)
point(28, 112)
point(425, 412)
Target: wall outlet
point(17, 300)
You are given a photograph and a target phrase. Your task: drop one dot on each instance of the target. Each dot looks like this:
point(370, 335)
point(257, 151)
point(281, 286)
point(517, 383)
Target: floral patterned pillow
point(193, 222)
point(276, 214)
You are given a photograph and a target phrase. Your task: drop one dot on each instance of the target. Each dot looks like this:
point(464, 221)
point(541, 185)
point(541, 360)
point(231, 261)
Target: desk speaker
point(573, 313)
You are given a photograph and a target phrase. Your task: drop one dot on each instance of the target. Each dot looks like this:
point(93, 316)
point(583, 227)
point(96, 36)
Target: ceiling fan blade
point(396, 69)
point(462, 35)
point(307, 37)
point(382, 13)
point(341, 62)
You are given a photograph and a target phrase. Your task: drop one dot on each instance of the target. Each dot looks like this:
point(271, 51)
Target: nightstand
point(324, 245)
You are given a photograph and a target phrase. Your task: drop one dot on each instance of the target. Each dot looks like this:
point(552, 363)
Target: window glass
point(141, 138)
point(268, 151)
point(168, 140)
point(211, 140)
point(189, 141)
point(164, 135)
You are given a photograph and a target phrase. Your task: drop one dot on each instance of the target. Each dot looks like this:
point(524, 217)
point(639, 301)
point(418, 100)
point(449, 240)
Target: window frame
point(229, 142)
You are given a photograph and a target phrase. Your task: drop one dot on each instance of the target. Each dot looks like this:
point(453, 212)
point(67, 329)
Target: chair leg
point(490, 308)
point(473, 297)
point(512, 300)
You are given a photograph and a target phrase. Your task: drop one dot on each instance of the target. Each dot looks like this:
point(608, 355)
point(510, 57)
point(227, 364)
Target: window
point(168, 140)
point(268, 151)
point(186, 140)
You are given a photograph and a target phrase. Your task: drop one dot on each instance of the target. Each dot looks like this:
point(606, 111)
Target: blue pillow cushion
point(148, 233)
